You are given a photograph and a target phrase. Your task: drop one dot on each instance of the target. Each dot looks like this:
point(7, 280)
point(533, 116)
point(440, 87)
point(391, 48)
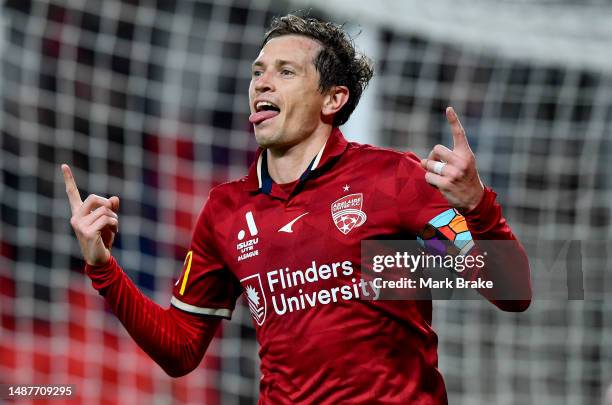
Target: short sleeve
point(423, 209)
point(206, 286)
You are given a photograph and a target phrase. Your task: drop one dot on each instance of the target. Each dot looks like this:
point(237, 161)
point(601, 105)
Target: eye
point(286, 72)
point(257, 73)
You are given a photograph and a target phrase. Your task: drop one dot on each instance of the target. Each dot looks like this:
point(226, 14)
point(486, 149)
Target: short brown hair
point(338, 63)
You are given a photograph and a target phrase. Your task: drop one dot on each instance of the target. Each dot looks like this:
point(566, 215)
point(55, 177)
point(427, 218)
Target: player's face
point(284, 94)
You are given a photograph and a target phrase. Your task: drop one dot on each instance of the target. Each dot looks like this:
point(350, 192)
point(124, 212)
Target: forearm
point(506, 263)
point(172, 338)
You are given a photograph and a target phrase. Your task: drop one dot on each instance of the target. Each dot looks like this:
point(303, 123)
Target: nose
point(263, 83)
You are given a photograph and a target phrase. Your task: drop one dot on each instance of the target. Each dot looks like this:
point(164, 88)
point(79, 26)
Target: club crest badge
point(347, 214)
point(254, 293)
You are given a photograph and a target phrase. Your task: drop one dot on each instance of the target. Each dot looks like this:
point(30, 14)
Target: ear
point(334, 100)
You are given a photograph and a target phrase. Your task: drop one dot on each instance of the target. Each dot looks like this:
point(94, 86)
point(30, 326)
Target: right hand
point(94, 221)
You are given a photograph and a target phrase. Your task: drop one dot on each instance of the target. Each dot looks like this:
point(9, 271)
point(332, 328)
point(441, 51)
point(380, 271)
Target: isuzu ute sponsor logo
point(255, 296)
point(246, 248)
point(347, 214)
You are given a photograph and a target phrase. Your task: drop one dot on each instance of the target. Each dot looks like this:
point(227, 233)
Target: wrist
point(479, 202)
point(103, 275)
point(478, 198)
point(485, 215)
point(487, 200)
point(98, 262)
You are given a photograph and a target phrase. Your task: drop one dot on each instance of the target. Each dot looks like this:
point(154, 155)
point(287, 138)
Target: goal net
point(148, 101)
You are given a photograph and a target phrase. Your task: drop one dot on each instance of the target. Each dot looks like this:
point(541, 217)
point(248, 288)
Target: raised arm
point(455, 174)
point(175, 339)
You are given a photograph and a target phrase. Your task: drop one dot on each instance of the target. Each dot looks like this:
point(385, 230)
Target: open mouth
point(264, 110)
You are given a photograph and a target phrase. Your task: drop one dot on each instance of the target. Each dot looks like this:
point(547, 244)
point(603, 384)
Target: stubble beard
point(267, 140)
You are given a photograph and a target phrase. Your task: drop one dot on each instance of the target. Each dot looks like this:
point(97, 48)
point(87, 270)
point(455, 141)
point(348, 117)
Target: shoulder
point(227, 189)
point(381, 156)
point(227, 194)
point(222, 199)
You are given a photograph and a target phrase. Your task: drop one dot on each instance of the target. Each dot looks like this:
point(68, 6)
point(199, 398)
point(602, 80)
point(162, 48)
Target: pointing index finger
point(71, 189)
point(459, 138)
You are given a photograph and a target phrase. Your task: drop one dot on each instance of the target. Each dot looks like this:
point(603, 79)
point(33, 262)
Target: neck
point(287, 164)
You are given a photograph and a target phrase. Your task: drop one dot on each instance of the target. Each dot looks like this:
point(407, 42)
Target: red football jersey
point(295, 253)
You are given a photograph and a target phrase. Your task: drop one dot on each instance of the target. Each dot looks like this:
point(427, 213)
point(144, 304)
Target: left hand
point(454, 172)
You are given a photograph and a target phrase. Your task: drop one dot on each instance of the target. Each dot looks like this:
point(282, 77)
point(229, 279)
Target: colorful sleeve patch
point(449, 225)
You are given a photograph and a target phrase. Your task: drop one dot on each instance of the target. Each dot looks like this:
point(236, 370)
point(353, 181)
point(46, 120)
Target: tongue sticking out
point(261, 116)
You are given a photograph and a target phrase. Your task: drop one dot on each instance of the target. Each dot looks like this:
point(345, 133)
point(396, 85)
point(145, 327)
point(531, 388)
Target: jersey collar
point(259, 178)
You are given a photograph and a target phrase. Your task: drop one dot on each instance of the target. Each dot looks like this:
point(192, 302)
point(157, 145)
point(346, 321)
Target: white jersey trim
point(259, 167)
point(222, 312)
point(318, 157)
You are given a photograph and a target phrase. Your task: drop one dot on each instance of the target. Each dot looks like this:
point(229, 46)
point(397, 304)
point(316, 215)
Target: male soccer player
point(288, 236)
